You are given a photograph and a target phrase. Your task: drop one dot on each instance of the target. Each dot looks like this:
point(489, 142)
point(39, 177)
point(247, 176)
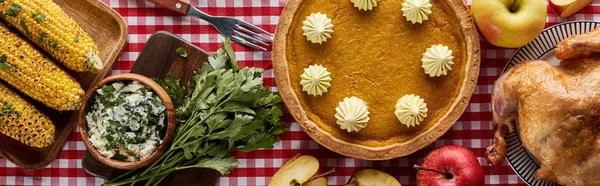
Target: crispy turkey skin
point(558, 109)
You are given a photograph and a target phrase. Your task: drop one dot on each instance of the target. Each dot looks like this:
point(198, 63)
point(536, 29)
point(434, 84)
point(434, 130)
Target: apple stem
point(514, 6)
point(331, 171)
point(447, 175)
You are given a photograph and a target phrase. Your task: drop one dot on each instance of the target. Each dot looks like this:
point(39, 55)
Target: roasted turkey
point(558, 110)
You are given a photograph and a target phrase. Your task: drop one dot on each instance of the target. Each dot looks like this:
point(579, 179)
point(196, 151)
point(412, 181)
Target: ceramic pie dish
point(376, 56)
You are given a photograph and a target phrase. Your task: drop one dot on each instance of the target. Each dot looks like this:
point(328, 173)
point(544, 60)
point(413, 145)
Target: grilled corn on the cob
point(22, 121)
point(44, 23)
point(36, 75)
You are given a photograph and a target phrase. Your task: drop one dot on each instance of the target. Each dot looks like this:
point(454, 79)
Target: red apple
point(565, 8)
point(450, 165)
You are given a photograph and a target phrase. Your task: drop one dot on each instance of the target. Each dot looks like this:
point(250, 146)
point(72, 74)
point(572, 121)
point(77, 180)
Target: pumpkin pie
point(376, 56)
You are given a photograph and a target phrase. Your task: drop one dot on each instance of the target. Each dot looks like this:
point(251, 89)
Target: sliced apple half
point(565, 8)
point(298, 171)
point(322, 181)
point(367, 177)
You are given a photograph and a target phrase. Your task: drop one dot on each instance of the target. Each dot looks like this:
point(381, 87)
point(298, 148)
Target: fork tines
point(246, 34)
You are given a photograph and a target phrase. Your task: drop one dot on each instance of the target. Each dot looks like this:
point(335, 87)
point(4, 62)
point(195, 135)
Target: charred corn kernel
point(44, 23)
point(36, 75)
point(21, 121)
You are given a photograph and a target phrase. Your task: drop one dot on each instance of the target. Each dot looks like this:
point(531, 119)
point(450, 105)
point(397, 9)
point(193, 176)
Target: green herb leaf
point(38, 16)
point(198, 131)
point(13, 10)
point(108, 89)
point(181, 51)
point(225, 84)
point(173, 89)
point(258, 141)
point(7, 109)
point(224, 166)
point(218, 60)
point(229, 50)
point(53, 44)
point(4, 65)
point(251, 83)
point(24, 27)
point(237, 107)
point(217, 121)
point(234, 128)
point(119, 156)
point(42, 37)
point(76, 40)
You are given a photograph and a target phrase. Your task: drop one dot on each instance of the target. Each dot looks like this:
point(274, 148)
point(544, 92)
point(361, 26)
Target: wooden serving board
point(157, 59)
point(109, 31)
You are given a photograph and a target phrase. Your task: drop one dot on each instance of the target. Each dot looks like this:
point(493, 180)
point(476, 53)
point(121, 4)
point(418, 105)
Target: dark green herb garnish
point(174, 89)
point(8, 109)
point(119, 156)
point(3, 64)
point(76, 40)
point(53, 44)
point(13, 10)
point(38, 16)
point(181, 51)
point(108, 89)
point(225, 109)
point(24, 27)
point(42, 37)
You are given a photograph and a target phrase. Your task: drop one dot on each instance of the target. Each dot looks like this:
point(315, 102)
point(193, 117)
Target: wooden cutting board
point(109, 31)
point(157, 59)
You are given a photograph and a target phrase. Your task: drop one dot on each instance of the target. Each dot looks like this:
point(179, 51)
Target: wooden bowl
point(171, 124)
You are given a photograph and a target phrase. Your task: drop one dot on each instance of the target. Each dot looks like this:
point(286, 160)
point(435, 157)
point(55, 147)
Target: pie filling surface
point(376, 56)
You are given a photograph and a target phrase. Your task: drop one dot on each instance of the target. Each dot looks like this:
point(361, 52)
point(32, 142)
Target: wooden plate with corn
point(50, 53)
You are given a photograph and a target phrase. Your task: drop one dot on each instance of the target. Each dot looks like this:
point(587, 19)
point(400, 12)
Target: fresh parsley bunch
point(224, 109)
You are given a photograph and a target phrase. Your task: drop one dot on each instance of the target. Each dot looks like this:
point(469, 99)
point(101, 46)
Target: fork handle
point(179, 6)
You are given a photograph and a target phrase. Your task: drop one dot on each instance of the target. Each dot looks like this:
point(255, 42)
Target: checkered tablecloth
point(473, 130)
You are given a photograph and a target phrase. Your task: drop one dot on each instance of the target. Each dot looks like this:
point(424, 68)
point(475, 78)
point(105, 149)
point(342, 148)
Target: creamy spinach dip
point(126, 121)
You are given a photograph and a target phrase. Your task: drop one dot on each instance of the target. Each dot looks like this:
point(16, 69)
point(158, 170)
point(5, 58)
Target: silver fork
point(239, 31)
